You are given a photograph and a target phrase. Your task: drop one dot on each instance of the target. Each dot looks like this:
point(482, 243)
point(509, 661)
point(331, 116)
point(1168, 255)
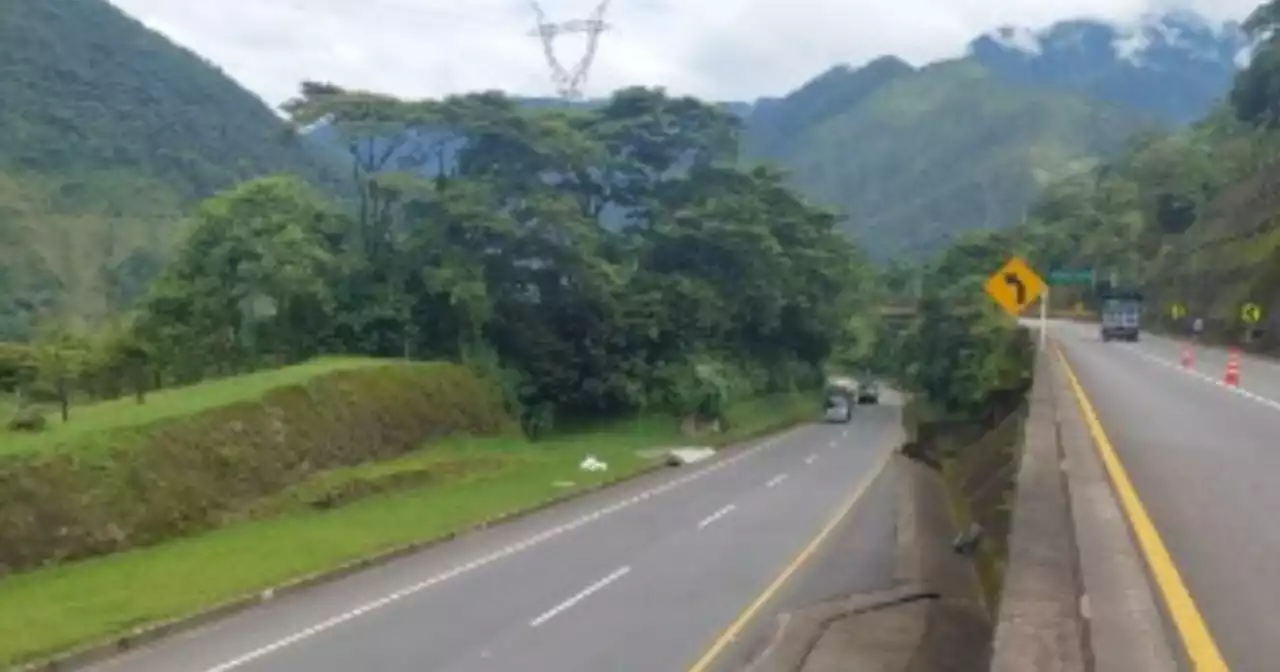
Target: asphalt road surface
point(1204, 459)
point(643, 577)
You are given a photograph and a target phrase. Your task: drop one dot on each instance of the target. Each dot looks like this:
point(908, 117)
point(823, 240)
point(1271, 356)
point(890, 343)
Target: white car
point(839, 409)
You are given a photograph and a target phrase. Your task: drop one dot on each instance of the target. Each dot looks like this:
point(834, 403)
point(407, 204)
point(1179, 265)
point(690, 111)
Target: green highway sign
point(1080, 277)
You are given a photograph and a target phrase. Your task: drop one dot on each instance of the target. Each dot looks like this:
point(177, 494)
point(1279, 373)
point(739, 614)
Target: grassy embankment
point(320, 522)
point(92, 424)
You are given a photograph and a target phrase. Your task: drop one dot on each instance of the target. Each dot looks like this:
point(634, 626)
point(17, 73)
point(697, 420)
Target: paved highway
point(647, 576)
point(1204, 459)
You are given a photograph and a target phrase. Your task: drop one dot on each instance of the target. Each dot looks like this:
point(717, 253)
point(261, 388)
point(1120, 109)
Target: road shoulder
point(927, 621)
point(1126, 630)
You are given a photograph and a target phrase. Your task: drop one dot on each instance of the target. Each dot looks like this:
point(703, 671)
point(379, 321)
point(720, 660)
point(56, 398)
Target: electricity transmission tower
point(569, 81)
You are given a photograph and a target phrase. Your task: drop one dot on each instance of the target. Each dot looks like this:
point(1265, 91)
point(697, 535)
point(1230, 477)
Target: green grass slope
point(108, 131)
point(946, 149)
point(95, 425)
point(119, 477)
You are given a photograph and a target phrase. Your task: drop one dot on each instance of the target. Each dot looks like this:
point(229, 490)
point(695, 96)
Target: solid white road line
point(586, 592)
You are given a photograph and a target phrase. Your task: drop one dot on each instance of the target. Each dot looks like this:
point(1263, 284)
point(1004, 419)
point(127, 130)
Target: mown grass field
point(90, 423)
point(447, 487)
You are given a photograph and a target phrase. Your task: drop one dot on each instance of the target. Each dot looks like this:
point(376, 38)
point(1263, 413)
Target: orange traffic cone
point(1188, 357)
point(1232, 376)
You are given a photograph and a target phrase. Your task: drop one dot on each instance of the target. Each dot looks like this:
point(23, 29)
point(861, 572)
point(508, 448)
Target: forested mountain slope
point(108, 133)
point(946, 149)
point(1188, 216)
point(916, 157)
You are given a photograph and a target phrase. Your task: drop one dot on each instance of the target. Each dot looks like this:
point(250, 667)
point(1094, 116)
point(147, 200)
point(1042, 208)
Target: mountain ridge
point(1176, 65)
point(109, 134)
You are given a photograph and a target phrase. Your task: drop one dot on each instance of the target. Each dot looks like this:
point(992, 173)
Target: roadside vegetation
point(340, 515)
point(968, 367)
point(593, 263)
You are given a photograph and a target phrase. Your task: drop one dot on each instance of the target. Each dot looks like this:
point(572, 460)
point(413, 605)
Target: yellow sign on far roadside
point(1178, 311)
point(1015, 286)
point(1251, 313)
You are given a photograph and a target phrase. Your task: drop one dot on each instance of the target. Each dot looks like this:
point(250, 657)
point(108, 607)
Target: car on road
point(868, 392)
point(838, 408)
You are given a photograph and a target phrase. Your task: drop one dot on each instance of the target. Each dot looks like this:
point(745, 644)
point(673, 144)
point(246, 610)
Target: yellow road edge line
point(735, 628)
point(1197, 641)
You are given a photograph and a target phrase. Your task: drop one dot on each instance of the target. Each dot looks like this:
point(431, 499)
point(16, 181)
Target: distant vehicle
point(838, 408)
point(1121, 315)
point(840, 397)
point(868, 391)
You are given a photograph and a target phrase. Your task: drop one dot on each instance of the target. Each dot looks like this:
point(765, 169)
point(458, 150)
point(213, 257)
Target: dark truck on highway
point(1121, 315)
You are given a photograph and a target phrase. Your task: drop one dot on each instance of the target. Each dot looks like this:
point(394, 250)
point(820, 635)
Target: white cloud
point(723, 49)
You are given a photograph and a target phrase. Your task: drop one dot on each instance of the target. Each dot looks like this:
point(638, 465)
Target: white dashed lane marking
point(1177, 366)
point(716, 516)
point(586, 592)
point(490, 558)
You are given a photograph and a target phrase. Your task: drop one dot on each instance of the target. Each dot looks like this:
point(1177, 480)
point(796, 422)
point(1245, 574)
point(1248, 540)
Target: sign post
point(1044, 317)
point(1251, 313)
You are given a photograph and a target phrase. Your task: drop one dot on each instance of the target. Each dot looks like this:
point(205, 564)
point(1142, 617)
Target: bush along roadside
point(969, 368)
point(464, 483)
point(977, 454)
point(188, 474)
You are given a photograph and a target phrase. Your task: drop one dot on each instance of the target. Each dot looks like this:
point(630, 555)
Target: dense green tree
point(606, 260)
point(251, 281)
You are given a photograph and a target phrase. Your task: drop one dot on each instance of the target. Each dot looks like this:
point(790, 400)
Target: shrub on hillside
point(190, 474)
point(28, 419)
point(18, 366)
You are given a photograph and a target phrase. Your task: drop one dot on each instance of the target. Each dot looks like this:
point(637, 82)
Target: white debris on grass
point(593, 464)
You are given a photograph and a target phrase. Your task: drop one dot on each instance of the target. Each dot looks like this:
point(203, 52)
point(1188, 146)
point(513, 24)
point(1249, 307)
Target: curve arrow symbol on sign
point(1015, 282)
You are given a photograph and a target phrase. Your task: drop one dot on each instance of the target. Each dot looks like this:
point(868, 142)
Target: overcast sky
point(721, 49)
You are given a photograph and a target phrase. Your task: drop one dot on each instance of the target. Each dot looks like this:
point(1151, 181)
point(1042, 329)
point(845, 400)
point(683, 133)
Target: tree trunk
point(139, 384)
point(63, 402)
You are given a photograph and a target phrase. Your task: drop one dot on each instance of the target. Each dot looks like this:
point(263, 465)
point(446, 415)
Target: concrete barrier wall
point(1076, 594)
